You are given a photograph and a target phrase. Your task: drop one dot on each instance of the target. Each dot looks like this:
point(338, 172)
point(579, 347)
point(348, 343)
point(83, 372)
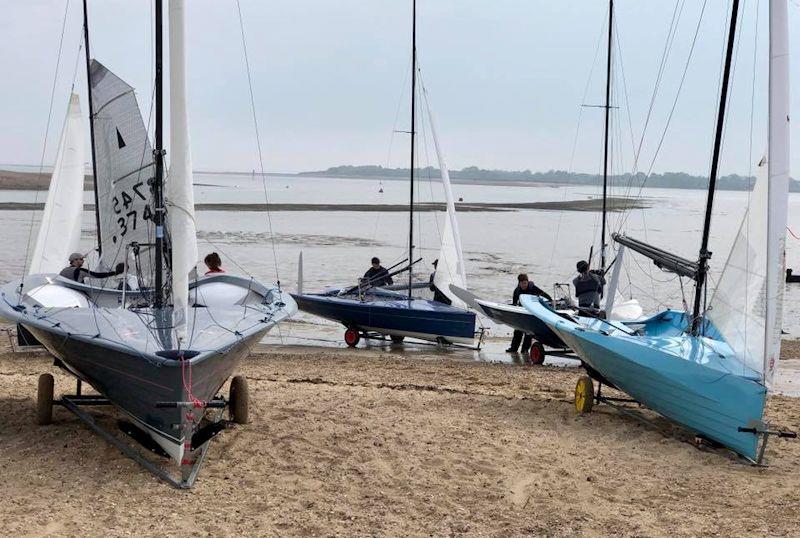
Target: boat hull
point(522, 320)
point(687, 379)
point(134, 357)
point(134, 385)
point(422, 319)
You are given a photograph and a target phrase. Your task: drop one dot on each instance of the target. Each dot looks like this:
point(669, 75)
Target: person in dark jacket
point(588, 286)
point(76, 272)
point(377, 275)
point(524, 287)
point(438, 296)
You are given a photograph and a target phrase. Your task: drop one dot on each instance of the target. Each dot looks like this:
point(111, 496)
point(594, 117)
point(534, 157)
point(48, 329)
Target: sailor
point(524, 287)
point(377, 275)
point(214, 263)
point(588, 285)
point(76, 272)
point(438, 296)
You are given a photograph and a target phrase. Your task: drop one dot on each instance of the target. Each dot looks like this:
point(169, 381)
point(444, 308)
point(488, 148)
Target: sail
point(124, 166)
point(60, 230)
point(450, 268)
point(179, 196)
point(778, 171)
point(738, 307)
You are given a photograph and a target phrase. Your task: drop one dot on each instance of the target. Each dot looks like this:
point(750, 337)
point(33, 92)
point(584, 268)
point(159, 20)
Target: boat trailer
point(586, 398)
point(196, 444)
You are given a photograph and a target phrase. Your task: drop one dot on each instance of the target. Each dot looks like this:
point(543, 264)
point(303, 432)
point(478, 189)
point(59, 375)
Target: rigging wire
point(258, 141)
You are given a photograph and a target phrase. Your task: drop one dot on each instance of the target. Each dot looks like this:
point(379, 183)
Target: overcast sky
point(506, 79)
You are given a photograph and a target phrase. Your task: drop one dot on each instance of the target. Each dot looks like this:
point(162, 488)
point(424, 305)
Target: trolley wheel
point(239, 400)
point(584, 394)
point(352, 337)
point(537, 353)
point(44, 400)
point(397, 338)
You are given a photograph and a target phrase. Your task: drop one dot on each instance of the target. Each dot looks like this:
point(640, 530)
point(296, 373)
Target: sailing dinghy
point(708, 370)
point(517, 317)
point(162, 352)
point(366, 309)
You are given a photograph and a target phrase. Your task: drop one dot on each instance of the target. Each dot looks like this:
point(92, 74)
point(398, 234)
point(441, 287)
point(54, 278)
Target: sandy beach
point(365, 442)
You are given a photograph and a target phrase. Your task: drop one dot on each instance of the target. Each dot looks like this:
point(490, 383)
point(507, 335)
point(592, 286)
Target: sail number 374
point(125, 206)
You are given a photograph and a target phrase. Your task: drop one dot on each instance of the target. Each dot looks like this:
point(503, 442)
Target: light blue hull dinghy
point(708, 368)
point(695, 381)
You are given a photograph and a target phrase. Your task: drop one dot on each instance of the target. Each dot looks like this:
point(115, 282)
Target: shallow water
point(337, 246)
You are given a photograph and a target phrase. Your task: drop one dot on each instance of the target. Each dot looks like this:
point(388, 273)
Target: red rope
point(188, 386)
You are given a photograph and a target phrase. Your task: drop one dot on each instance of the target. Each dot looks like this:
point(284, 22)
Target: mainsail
point(450, 268)
point(60, 230)
point(180, 199)
point(124, 167)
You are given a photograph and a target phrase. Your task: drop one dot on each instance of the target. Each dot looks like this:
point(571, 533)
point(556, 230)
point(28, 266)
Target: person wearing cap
point(377, 275)
point(524, 287)
point(76, 272)
point(438, 296)
point(588, 285)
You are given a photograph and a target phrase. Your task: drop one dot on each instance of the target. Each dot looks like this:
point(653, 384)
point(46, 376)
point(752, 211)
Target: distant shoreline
point(16, 180)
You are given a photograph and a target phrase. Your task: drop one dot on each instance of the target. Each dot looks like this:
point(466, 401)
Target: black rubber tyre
point(352, 337)
point(396, 338)
point(44, 400)
point(239, 400)
point(537, 353)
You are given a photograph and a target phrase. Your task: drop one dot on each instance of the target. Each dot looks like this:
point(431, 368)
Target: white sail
point(450, 269)
point(179, 195)
point(60, 230)
point(738, 305)
point(778, 168)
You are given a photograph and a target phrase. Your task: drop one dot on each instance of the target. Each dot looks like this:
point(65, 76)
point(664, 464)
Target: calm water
point(337, 246)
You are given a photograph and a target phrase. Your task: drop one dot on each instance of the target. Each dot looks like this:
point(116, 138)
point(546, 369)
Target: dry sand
point(364, 442)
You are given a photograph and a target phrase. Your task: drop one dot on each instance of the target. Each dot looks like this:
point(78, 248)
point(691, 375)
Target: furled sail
point(450, 268)
point(60, 230)
point(778, 166)
point(179, 195)
point(124, 167)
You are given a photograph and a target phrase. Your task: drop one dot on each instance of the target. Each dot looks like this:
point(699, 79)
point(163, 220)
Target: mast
point(91, 124)
point(158, 156)
point(605, 139)
point(413, 130)
point(705, 255)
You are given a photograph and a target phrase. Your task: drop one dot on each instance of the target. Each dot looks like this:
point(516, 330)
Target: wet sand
point(596, 204)
point(366, 442)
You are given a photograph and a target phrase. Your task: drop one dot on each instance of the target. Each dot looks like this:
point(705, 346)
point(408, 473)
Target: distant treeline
point(670, 180)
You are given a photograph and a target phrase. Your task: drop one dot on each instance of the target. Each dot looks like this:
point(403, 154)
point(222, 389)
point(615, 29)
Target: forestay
point(450, 268)
point(60, 230)
point(124, 167)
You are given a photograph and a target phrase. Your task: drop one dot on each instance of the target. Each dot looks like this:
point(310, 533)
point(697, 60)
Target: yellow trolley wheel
point(584, 394)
